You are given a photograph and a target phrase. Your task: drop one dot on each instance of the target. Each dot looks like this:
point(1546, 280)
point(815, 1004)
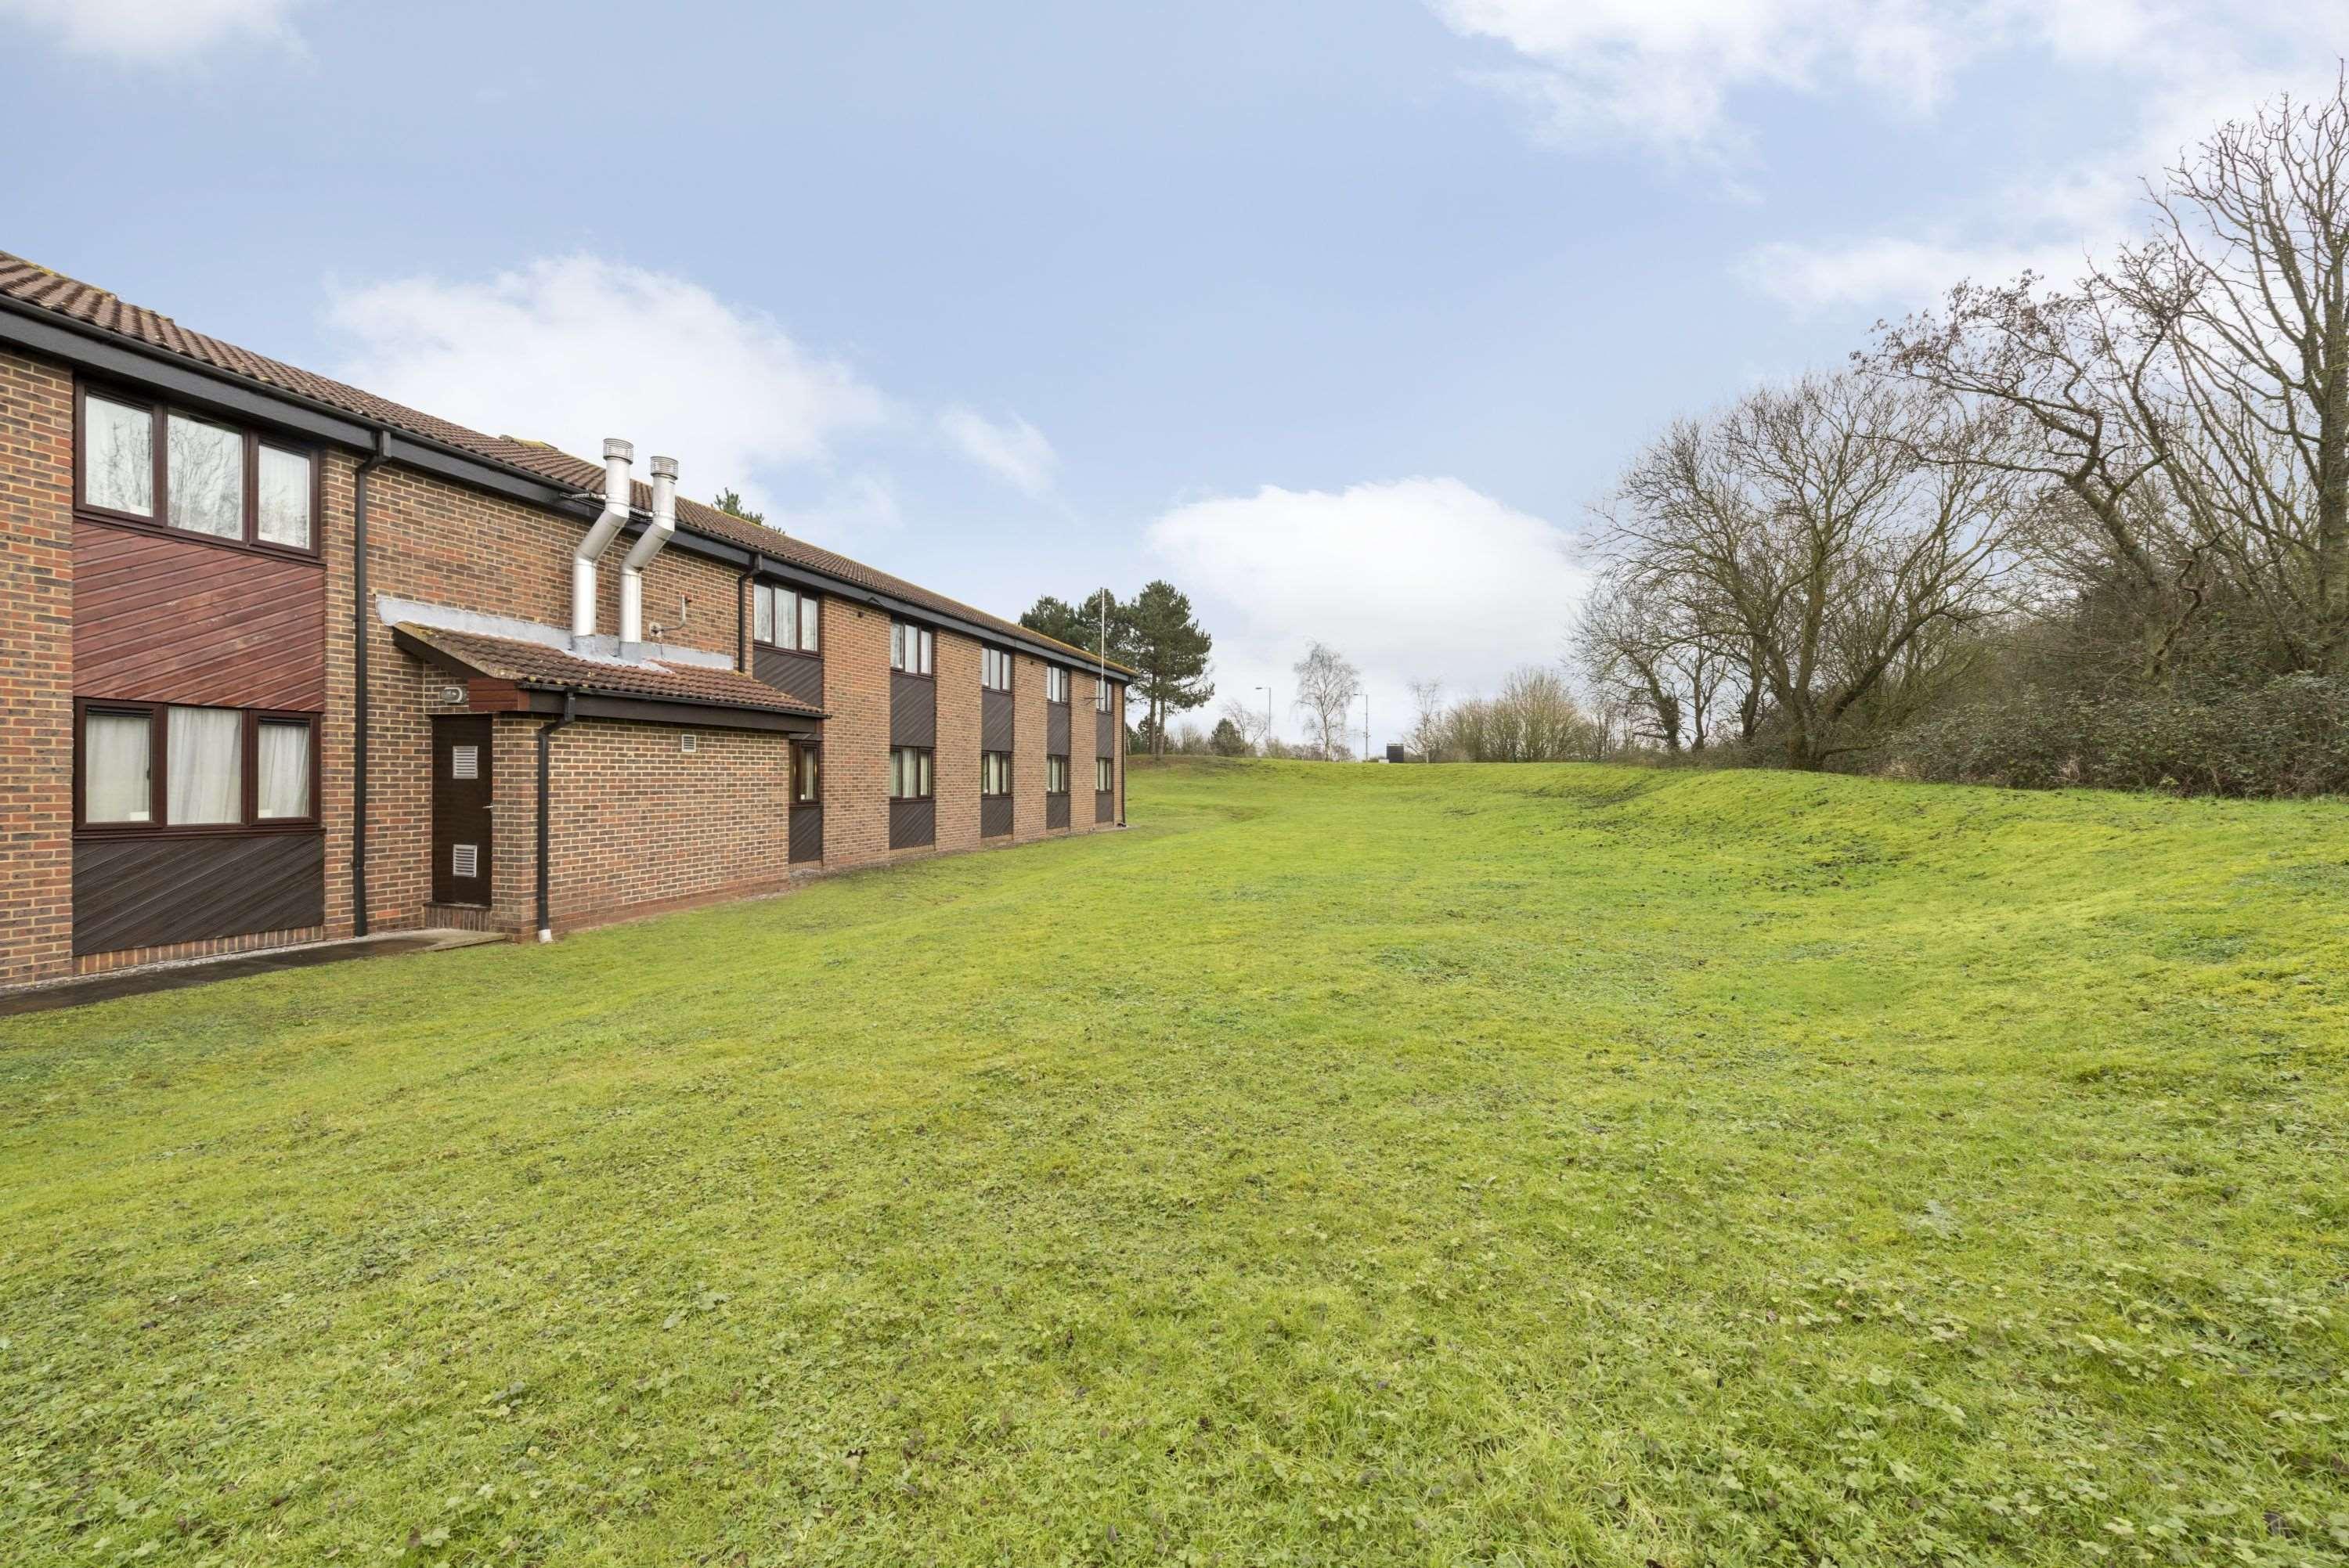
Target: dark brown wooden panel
point(994, 720)
point(179, 621)
point(807, 834)
point(1056, 811)
point(913, 824)
point(146, 892)
point(994, 816)
point(913, 710)
point(1104, 805)
point(1105, 735)
point(800, 675)
point(1056, 730)
point(462, 793)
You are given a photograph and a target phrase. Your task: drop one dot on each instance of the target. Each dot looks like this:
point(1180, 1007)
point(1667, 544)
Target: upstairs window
point(909, 773)
point(785, 617)
point(1104, 775)
point(1056, 684)
point(1100, 697)
point(912, 649)
point(995, 669)
point(1056, 775)
point(147, 462)
point(995, 773)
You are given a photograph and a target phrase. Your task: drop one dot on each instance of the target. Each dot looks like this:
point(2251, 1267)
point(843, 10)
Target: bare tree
point(1327, 687)
point(1252, 722)
point(1843, 529)
point(1426, 734)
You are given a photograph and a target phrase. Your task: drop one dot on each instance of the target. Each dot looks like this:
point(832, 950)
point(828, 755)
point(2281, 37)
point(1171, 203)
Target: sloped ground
point(1346, 1165)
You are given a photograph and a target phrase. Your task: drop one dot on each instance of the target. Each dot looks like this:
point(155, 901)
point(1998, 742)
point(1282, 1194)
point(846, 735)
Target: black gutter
point(546, 750)
point(380, 455)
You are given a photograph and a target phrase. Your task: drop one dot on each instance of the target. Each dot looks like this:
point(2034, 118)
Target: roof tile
point(537, 665)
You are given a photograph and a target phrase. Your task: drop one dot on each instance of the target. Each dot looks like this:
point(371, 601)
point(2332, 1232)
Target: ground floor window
point(166, 765)
point(807, 774)
point(1104, 773)
point(1056, 775)
point(995, 773)
point(909, 773)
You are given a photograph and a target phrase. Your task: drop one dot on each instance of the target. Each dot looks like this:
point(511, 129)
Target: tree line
point(1154, 633)
point(2091, 533)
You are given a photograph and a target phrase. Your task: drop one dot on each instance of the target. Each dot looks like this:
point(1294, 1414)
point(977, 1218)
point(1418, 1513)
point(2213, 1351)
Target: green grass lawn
point(1444, 1165)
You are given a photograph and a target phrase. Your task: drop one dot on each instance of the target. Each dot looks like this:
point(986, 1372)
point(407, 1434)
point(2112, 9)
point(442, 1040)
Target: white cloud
point(1015, 451)
point(572, 349)
point(155, 31)
point(1411, 578)
point(1663, 72)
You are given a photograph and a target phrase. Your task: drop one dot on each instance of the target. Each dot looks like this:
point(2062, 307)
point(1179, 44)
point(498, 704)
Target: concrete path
point(204, 971)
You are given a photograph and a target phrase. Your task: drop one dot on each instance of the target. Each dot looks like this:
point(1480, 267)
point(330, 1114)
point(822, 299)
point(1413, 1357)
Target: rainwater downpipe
point(545, 749)
point(372, 462)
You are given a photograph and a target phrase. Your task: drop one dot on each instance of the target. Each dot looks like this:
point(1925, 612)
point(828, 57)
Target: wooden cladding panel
point(1056, 811)
point(1104, 805)
point(913, 824)
point(807, 835)
point(1105, 735)
point(1056, 730)
point(994, 816)
point(995, 728)
point(172, 620)
point(797, 675)
point(913, 710)
point(149, 892)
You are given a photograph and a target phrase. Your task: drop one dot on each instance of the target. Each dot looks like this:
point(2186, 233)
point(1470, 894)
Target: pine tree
point(1168, 654)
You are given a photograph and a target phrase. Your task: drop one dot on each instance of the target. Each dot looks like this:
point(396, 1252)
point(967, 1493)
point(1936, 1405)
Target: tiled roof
point(36, 286)
point(538, 665)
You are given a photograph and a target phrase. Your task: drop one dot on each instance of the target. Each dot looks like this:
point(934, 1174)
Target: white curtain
point(282, 770)
point(114, 778)
point(205, 750)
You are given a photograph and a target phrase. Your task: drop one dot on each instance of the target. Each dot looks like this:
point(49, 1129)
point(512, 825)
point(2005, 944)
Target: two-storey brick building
point(283, 661)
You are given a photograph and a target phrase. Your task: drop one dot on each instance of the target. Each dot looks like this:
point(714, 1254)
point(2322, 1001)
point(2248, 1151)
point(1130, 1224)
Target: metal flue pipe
point(617, 456)
point(647, 545)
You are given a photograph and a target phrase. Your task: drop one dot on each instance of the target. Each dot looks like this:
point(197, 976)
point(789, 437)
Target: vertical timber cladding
point(913, 721)
point(1106, 739)
point(997, 730)
point(1056, 744)
point(807, 816)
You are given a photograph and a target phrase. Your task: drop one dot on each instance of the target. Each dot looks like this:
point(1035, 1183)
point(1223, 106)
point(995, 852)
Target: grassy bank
point(1343, 1166)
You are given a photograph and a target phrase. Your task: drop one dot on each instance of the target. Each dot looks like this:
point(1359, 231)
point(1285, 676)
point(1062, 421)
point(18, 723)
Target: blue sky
point(1338, 315)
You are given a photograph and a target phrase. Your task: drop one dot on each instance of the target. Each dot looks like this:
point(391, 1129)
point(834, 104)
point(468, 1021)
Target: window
point(909, 773)
point(1056, 776)
point(152, 765)
point(807, 775)
point(1101, 695)
point(995, 669)
point(911, 648)
point(1056, 684)
point(141, 460)
point(1104, 775)
point(995, 773)
point(786, 617)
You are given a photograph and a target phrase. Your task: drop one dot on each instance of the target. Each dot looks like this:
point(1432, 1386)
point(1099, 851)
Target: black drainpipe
point(545, 749)
point(374, 461)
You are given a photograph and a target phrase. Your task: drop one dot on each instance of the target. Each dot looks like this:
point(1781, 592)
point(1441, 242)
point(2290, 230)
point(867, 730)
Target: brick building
point(282, 661)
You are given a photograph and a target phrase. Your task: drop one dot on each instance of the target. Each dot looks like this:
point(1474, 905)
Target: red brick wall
point(35, 670)
point(957, 748)
point(856, 735)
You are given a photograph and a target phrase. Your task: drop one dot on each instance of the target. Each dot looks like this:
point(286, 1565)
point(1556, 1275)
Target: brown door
point(461, 809)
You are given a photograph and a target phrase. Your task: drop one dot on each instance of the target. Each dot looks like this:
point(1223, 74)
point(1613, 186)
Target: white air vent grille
point(464, 762)
point(465, 860)
point(689, 743)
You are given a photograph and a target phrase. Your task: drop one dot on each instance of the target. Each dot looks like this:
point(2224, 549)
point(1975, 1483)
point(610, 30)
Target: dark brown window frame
point(1101, 701)
point(894, 668)
point(1064, 680)
point(807, 602)
point(984, 792)
point(159, 411)
point(1003, 654)
point(158, 772)
point(799, 749)
point(1100, 765)
point(930, 751)
point(1062, 758)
